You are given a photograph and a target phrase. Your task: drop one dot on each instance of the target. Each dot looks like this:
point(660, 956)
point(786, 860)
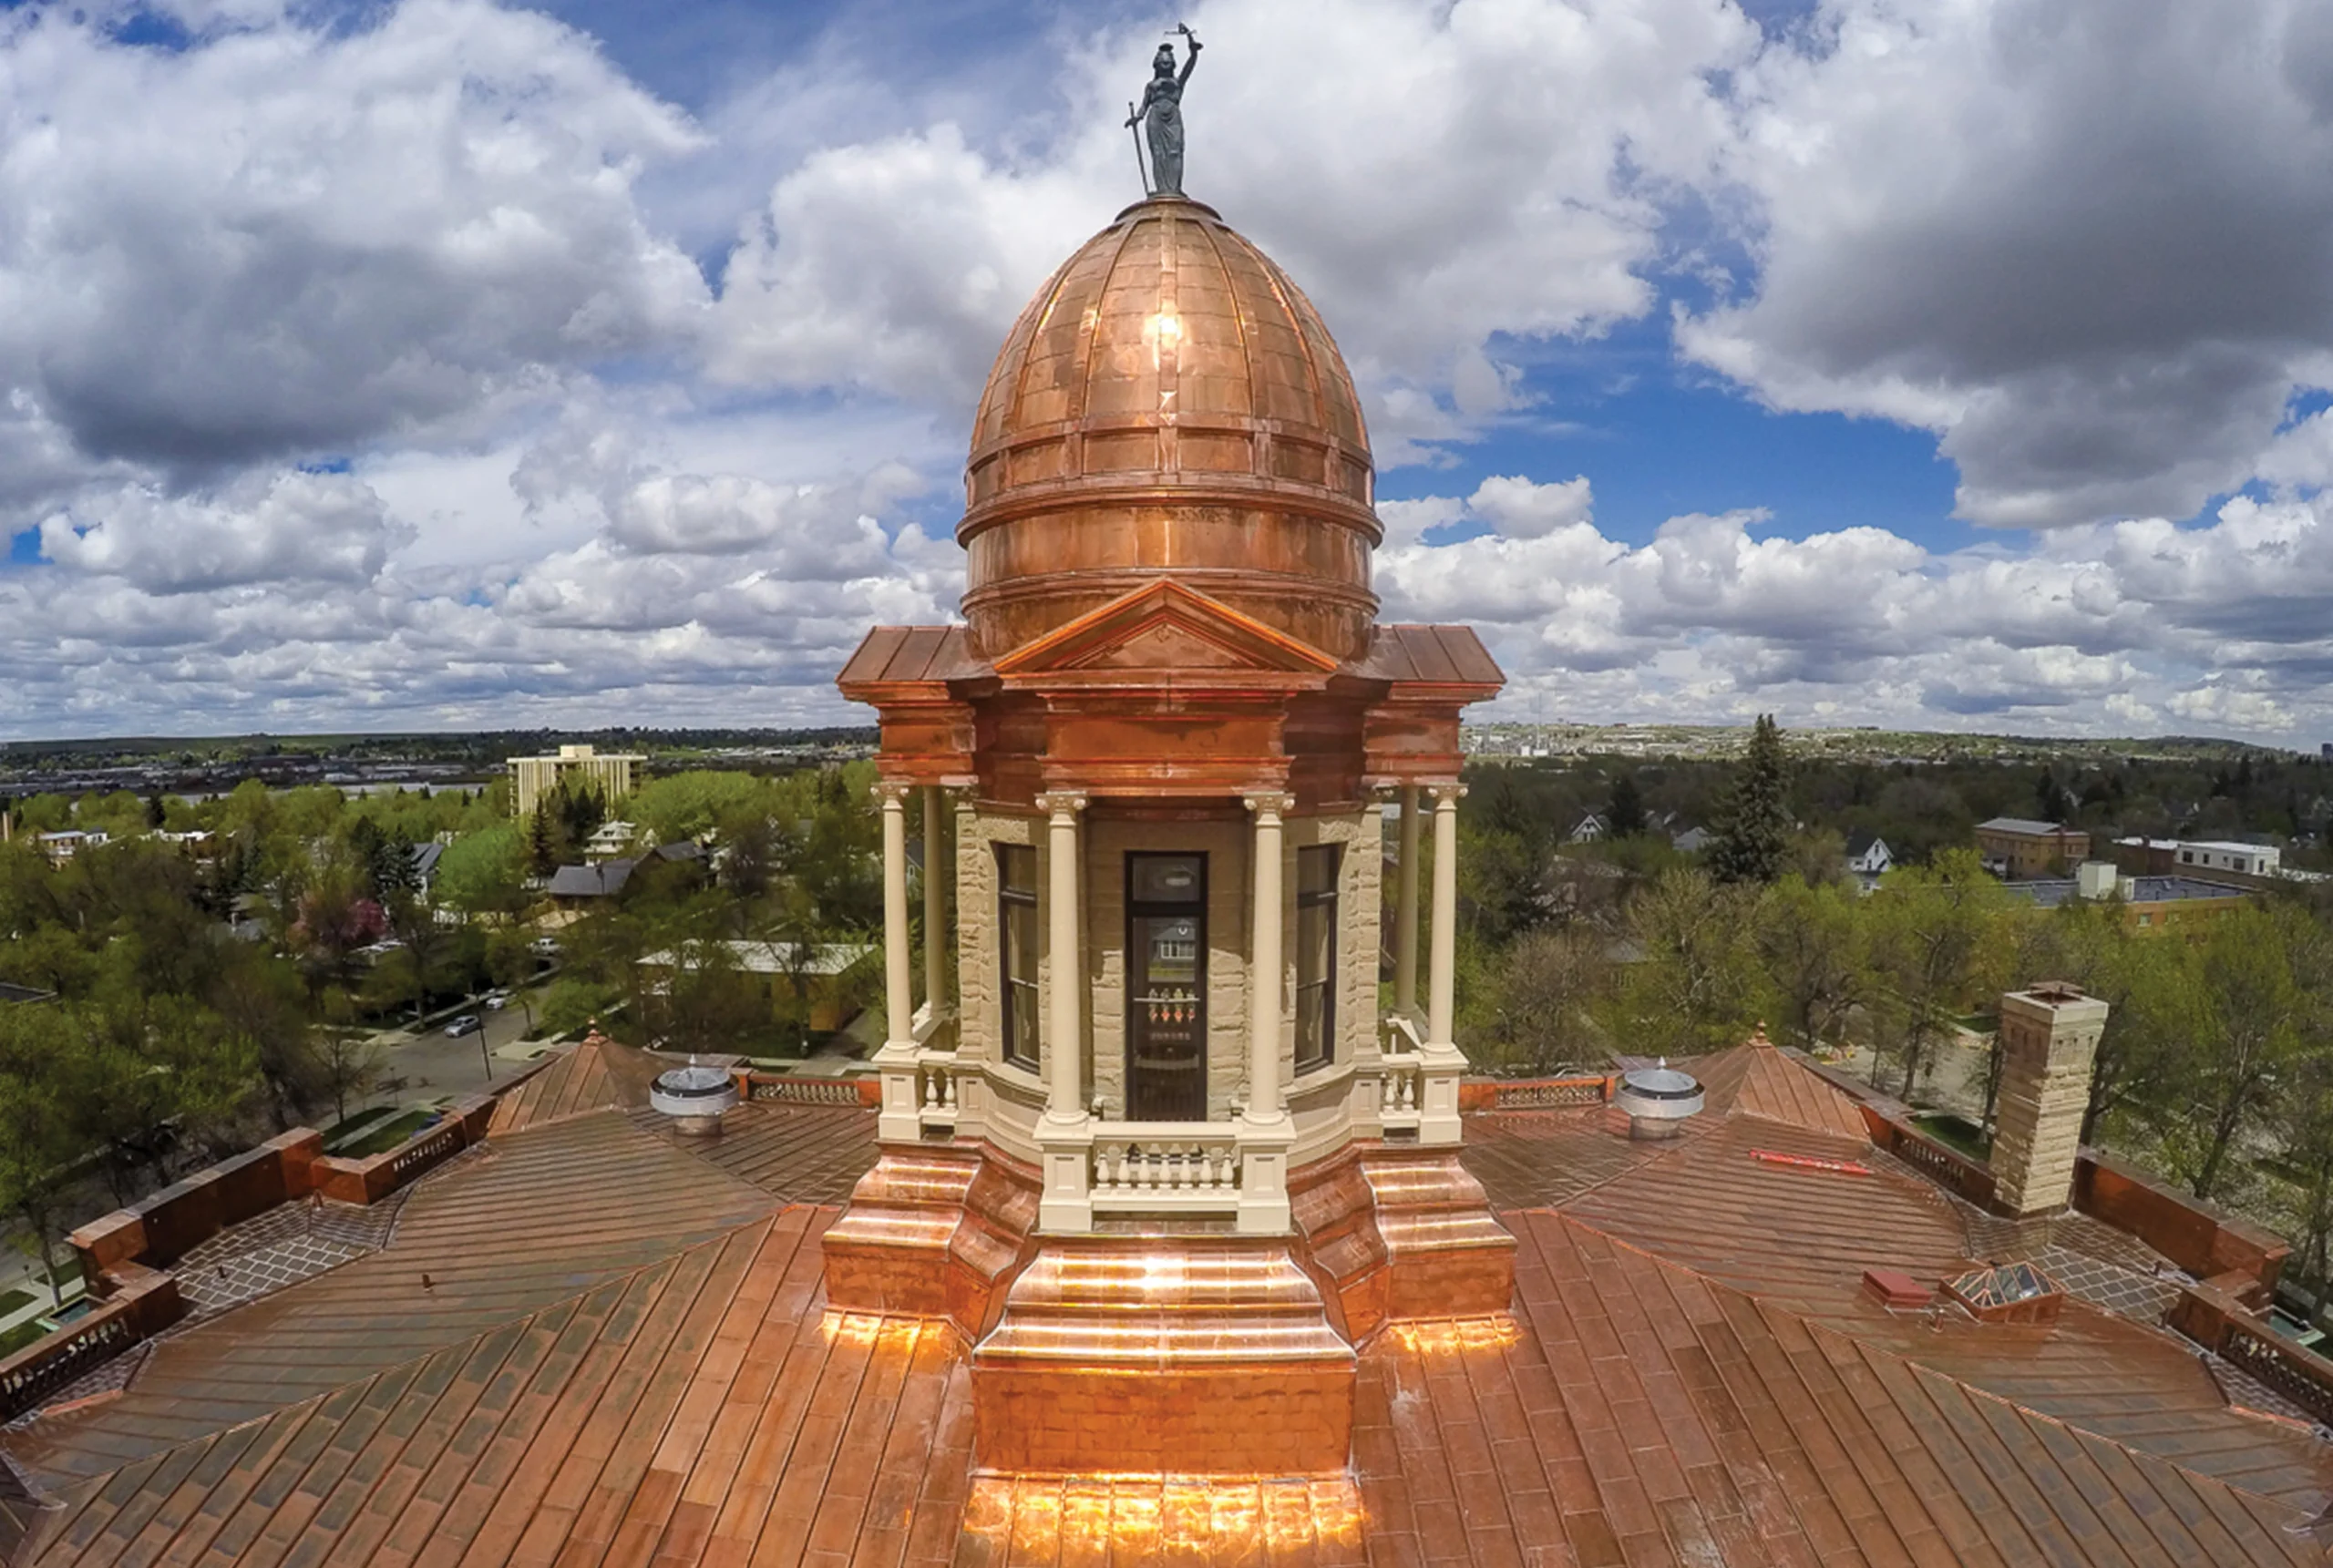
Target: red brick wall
point(2190, 1233)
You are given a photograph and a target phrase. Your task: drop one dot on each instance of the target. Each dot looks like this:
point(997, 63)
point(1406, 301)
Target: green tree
point(1936, 943)
point(2260, 1006)
point(1811, 945)
point(1694, 985)
point(1753, 838)
point(484, 873)
point(1549, 986)
point(1624, 812)
point(38, 1149)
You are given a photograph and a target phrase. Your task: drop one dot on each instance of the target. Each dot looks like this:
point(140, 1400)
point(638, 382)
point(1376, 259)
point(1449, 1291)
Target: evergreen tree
point(1625, 814)
point(2049, 796)
point(1753, 837)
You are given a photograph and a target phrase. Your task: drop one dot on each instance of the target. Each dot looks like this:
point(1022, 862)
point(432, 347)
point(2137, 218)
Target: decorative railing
point(791, 1091)
point(46, 1365)
point(423, 1154)
point(1181, 1165)
point(1890, 1128)
point(2300, 1375)
point(1551, 1094)
point(1402, 1092)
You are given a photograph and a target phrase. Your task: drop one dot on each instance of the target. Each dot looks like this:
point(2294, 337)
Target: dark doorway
point(1167, 987)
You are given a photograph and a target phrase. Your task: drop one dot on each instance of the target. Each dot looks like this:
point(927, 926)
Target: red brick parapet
point(1536, 1094)
point(2188, 1231)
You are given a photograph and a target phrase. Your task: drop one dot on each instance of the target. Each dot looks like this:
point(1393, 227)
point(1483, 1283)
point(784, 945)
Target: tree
point(2261, 1003)
point(1694, 987)
point(1550, 984)
point(1810, 942)
point(1752, 836)
point(1624, 812)
point(351, 1063)
point(37, 1146)
point(485, 873)
point(1935, 942)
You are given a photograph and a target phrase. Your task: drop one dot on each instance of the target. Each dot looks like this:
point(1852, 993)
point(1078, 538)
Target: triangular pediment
point(1164, 627)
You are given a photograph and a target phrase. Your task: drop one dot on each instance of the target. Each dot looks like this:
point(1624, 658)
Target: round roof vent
point(1658, 1099)
point(694, 1097)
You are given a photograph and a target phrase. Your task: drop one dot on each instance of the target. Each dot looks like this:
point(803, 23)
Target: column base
point(1264, 1143)
point(1066, 1145)
point(933, 1231)
point(1403, 1234)
point(1165, 1353)
point(900, 1118)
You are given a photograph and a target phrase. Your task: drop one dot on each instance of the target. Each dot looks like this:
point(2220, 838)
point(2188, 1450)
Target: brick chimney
point(2049, 1038)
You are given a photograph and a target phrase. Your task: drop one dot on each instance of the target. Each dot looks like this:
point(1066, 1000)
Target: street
point(417, 1069)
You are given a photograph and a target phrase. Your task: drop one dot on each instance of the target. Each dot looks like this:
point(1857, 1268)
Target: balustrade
point(1166, 1165)
point(46, 1365)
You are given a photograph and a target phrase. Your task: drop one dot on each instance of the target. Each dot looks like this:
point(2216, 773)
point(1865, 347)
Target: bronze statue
point(1162, 106)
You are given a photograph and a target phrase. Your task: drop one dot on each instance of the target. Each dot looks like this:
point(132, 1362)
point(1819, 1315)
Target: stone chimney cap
point(2055, 991)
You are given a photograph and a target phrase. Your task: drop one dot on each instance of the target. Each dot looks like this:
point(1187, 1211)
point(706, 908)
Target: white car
point(469, 1023)
point(544, 946)
point(495, 1001)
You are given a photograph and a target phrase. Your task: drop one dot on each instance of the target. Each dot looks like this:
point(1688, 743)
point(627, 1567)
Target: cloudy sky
point(1944, 364)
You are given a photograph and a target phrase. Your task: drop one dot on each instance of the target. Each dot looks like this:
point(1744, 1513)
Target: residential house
point(63, 847)
point(831, 977)
point(1591, 829)
point(1692, 841)
point(1868, 857)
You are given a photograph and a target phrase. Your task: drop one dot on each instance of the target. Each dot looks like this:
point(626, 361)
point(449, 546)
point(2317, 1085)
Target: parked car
point(469, 1023)
point(544, 946)
point(496, 1001)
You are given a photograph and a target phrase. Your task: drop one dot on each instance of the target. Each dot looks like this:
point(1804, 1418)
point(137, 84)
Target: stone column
point(1265, 965)
point(1267, 1132)
point(934, 921)
point(1065, 1132)
point(1438, 1115)
point(1405, 909)
point(2049, 1040)
point(900, 1116)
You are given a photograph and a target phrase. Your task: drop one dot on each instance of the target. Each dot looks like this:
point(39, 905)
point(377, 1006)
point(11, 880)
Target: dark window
point(1016, 924)
point(1167, 987)
point(1315, 954)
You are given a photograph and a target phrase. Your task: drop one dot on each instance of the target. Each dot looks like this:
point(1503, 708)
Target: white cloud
point(295, 529)
point(292, 238)
point(2088, 242)
point(2227, 626)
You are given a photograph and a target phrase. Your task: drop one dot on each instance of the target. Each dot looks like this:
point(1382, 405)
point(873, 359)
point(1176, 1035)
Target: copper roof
point(622, 1356)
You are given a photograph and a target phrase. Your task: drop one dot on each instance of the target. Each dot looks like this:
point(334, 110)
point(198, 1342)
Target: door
point(1166, 987)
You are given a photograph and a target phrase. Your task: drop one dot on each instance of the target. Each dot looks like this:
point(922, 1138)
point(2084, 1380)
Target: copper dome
point(1169, 405)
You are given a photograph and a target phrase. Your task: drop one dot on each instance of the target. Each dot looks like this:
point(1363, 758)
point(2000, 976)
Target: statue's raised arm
point(1162, 107)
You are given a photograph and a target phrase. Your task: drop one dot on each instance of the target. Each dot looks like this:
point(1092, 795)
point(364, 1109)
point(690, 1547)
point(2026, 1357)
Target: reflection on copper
point(1455, 1336)
point(1170, 1518)
point(858, 1330)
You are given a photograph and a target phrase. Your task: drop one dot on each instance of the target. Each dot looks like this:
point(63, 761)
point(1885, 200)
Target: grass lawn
point(389, 1134)
point(15, 1339)
point(340, 1131)
point(10, 1301)
point(1956, 1133)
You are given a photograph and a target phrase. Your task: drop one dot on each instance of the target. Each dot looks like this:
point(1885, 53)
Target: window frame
point(1328, 898)
point(1012, 990)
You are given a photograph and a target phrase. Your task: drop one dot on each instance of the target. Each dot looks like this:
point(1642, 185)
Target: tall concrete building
point(611, 774)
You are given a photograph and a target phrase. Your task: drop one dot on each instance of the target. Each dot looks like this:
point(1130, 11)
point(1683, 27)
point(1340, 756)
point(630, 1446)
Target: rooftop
point(591, 1340)
point(2049, 894)
point(2025, 825)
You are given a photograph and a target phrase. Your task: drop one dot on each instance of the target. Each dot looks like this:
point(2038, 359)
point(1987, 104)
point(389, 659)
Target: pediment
point(1164, 627)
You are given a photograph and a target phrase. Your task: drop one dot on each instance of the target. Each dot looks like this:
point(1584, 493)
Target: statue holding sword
point(1162, 107)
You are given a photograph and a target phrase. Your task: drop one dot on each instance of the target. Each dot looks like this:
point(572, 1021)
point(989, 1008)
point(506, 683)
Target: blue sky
point(1954, 363)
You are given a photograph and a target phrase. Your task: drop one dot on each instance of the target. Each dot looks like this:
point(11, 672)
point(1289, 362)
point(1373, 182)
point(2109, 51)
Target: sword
point(1134, 124)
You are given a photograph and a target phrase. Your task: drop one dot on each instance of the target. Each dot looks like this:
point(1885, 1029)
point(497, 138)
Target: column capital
point(1449, 790)
point(894, 791)
point(1269, 804)
point(1055, 802)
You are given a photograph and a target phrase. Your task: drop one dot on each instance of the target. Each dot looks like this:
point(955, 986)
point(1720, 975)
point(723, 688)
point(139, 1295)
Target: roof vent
point(1658, 1099)
point(694, 1098)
